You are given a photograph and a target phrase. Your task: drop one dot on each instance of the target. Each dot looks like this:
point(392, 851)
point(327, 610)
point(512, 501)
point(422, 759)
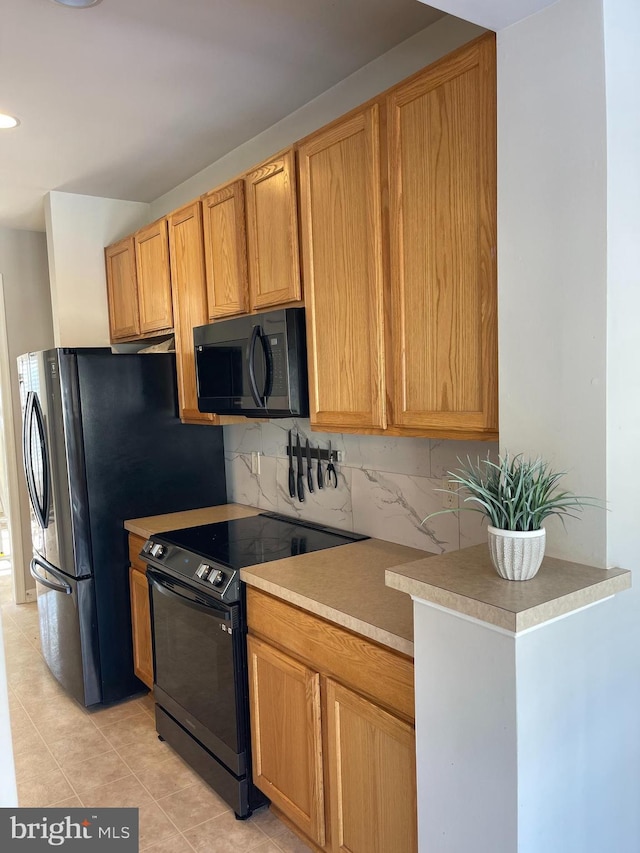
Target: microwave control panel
point(279, 378)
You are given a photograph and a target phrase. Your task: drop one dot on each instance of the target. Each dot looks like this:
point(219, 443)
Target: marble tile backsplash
point(386, 485)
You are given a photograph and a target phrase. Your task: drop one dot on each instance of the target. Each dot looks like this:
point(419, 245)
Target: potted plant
point(516, 495)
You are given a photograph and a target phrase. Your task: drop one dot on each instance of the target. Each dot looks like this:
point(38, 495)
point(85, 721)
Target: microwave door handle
point(251, 356)
point(267, 370)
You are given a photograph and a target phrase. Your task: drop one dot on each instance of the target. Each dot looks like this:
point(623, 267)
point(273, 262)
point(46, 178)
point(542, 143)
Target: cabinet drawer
point(379, 673)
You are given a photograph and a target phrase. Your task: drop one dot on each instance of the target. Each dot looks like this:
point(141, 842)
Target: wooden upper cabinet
point(341, 235)
point(189, 302)
point(442, 208)
point(154, 280)
point(372, 776)
point(122, 291)
point(225, 243)
point(286, 736)
point(272, 233)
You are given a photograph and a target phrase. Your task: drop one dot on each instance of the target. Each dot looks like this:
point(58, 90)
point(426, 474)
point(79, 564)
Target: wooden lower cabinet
point(372, 776)
point(140, 613)
point(287, 740)
point(338, 765)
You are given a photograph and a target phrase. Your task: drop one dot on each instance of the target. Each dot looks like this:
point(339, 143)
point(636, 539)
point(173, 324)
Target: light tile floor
point(68, 756)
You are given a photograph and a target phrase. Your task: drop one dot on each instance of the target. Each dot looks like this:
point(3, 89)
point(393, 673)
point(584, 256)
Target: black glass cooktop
point(243, 542)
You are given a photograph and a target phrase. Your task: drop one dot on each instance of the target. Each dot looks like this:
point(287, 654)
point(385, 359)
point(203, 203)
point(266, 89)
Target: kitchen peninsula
point(504, 695)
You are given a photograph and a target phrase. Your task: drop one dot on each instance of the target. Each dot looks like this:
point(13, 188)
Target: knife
point(319, 476)
point(300, 473)
point(309, 469)
point(292, 479)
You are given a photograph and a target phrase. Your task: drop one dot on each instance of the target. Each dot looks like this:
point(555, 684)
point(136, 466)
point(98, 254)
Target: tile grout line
point(33, 723)
point(132, 770)
point(37, 728)
point(153, 799)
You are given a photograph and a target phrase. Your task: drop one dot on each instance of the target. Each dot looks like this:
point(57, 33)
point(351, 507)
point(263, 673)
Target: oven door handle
point(221, 613)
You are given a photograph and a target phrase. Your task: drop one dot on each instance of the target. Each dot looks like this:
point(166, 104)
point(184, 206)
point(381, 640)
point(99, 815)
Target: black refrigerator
point(102, 442)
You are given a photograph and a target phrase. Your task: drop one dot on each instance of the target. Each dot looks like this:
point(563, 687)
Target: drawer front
point(379, 673)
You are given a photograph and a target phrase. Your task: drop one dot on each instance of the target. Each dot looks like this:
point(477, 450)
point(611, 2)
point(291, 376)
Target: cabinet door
point(154, 281)
point(141, 626)
point(442, 200)
point(372, 776)
point(341, 238)
point(286, 736)
point(225, 241)
point(122, 291)
point(272, 233)
point(189, 302)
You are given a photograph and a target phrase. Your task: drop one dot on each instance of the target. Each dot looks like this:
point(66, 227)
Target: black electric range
point(210, 556)
point(199, 638)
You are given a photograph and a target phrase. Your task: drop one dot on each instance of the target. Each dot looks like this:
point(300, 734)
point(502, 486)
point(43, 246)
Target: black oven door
point(200, 668)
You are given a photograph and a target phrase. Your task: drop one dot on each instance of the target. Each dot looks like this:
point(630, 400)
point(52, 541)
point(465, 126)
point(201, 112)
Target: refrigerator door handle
point(26, 452)
point(33, 417)
point(63, 586)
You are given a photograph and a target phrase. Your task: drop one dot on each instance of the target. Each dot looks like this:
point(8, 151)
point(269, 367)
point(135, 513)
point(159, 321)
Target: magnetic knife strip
point(301, 452)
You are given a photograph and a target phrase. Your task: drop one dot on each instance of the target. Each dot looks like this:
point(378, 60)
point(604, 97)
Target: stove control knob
point(157, 550)
point(203, 571)
point(216, 577)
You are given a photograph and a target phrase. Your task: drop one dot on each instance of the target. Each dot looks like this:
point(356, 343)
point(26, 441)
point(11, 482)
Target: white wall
point(78, 228)
point(552, 255)
point(621, 651)
point(569, 302)
point(466, 735)
point(622, 36)
point(28, 326)
point(568, 262)
point(410, 56)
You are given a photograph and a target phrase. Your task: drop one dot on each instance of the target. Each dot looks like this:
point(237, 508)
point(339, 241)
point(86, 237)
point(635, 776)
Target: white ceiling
point(130, 97)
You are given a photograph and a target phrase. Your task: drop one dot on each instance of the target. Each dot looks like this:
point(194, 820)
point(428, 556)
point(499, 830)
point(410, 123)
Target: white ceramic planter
point(516, 554)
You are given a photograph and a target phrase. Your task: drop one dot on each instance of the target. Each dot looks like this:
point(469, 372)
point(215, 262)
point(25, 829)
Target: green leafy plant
point(514, 493)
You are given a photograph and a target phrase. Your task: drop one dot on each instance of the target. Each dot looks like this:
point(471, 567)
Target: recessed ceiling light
point(77, 4)
point(7, 121)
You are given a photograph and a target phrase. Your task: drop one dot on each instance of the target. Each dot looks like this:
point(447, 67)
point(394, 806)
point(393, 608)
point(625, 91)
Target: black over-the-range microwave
point(254, 366)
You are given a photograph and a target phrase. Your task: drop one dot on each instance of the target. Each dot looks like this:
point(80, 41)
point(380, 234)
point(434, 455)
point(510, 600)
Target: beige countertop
point(465, 581)
point(151, 524)
point(346, 585)
point(362, 586)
